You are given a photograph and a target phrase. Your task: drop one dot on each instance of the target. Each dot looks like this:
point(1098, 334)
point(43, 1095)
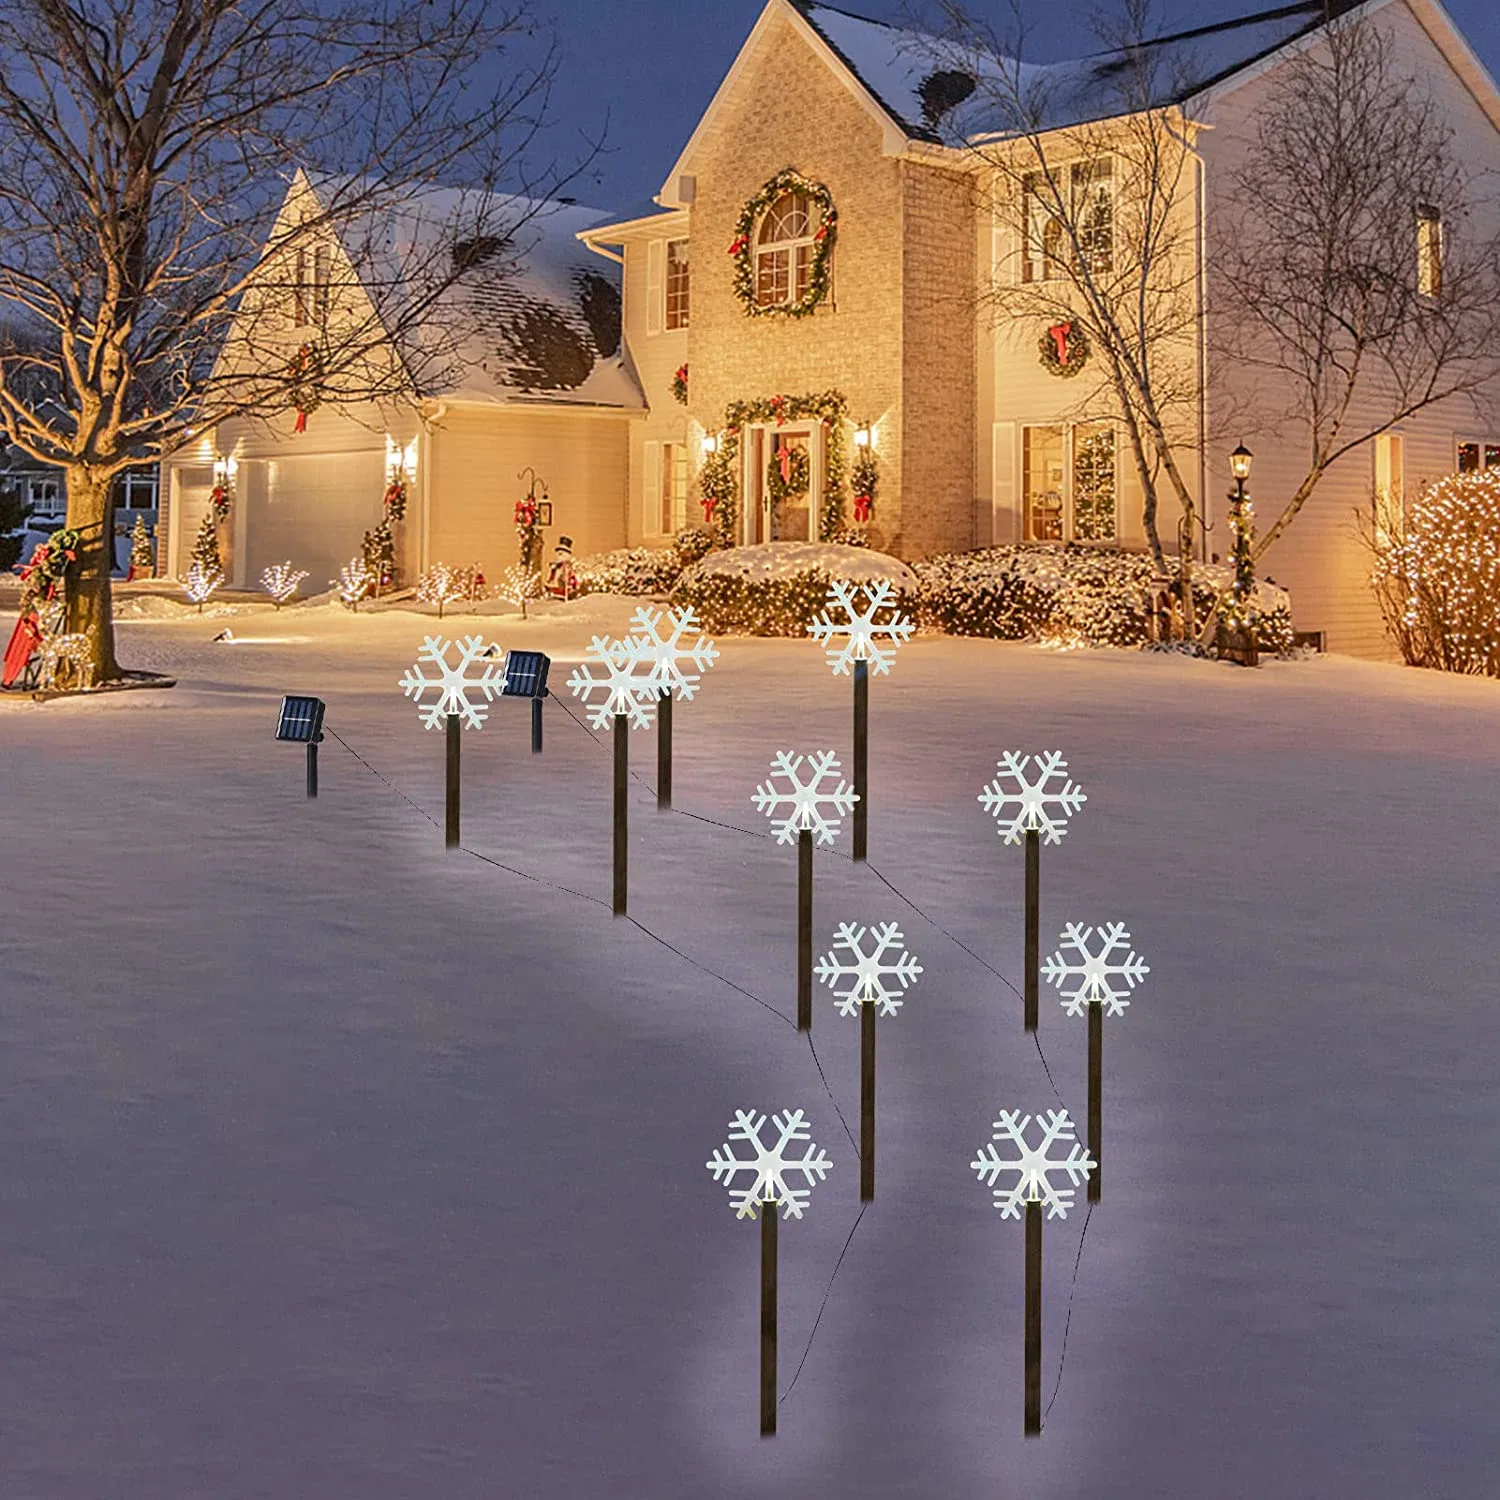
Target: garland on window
point(679, 384)
point(742, 250)
point(718, 481)
point(1064, 349)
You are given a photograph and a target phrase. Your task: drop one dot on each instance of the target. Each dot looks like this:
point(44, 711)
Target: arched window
point(784, 244)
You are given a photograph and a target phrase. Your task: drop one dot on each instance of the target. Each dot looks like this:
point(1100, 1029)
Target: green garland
point(720, 481)
point(820, 275)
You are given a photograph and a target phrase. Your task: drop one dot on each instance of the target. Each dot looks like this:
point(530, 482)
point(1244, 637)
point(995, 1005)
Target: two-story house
point(882, 239)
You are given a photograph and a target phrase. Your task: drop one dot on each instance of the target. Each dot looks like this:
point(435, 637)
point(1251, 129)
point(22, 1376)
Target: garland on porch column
point(718, 481)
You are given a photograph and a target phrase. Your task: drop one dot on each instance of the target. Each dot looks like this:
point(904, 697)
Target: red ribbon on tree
point(708, 509)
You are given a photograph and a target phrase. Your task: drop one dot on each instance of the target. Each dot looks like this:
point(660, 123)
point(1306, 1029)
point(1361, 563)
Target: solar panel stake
point(1033, 925)
point(804, 928)
point(301, 723)
point(312, 768)
point(861, 756)
point(622, 784)
point(455, 728)
point(664, 750)
point(536, 726)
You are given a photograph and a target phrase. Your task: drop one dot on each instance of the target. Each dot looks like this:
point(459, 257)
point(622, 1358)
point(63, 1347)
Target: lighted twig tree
point(872, 983)
point(1096, 982)
point(454, 707)
point(677, 662)
point(1035, 811)
point(629, 699)
point(280, 581)
point(1033, 1190)
point(859, 650)
point(810, 806)
point(767, 1187)
point(147, 275)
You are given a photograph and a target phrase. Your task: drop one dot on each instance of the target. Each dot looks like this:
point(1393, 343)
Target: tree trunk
point(91, 511)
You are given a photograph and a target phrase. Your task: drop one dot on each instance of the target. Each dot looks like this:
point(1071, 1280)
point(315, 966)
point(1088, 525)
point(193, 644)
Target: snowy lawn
point(334, 1164)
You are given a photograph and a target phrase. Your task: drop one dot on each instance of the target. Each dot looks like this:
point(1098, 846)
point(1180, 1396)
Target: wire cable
point(827, 1292)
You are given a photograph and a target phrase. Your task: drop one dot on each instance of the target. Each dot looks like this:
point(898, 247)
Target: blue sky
point(641, 71)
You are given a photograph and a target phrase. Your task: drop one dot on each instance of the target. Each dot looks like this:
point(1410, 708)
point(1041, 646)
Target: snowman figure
point(562, 582)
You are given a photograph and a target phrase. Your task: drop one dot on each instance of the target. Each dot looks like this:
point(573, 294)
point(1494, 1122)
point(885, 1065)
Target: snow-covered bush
point(780, 588)
point(628, 570)
point(1437, 575)
point(1083, 595)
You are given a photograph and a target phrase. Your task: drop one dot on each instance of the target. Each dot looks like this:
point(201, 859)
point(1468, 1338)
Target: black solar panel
point(525, 674)
point(301, 720)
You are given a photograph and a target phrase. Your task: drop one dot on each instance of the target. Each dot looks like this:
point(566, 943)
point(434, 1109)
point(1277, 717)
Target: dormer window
point(784, 246)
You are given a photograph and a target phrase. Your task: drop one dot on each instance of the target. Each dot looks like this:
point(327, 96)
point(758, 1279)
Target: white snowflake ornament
point(677, 664)
point(805, 800)
point(1034, 1166)
point(453, 684)
point(879, 977)
point(769, 1166)
point(1089, 978)
point(1035, 805)
point(625, 690)
point(860, 628)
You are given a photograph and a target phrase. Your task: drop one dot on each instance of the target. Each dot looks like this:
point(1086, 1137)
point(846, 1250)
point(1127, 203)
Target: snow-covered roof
point(898, 66)
point(534, 317)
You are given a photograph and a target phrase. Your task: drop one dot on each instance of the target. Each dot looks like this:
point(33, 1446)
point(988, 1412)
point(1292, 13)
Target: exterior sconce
point(864, 435)
point(710, 443)
point(1239, 462)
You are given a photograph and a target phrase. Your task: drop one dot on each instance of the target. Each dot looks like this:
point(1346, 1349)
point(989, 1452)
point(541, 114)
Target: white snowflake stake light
point(805, 800)
point(453, 706)
point(860, 649)
point(677, 662)
point(453, 684)
point(860, 629)
point(1098, 981)
point(626, 691)
point(1033, 1189)
point(1037, 809)
point(872, 983)
point(1035, 805)
point(767, 1169)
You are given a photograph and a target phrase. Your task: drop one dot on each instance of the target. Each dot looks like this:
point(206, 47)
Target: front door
point(783, 479)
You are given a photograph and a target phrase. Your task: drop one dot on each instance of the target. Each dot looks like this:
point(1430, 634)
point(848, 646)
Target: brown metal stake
point(536, 726)
point(312, 768)
point(1096, 1098)
point(768, 1320)
point(664, 750)
point(861, 757)
point(804, 929)
point(866, 1101)
point(455, 728)
point(1033, 1427)
point(1033, 925)
point(622, 786)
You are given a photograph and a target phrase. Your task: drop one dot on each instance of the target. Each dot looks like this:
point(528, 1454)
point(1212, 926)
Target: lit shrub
point(628, 570)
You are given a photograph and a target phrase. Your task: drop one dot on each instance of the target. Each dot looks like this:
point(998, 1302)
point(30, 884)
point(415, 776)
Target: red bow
point(708, 509)
point(862, 508)
point(739, 244)
point(1060, 333)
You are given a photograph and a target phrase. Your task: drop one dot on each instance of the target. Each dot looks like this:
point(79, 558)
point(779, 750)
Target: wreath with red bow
point(820, 274)
point(1064, 349)
point(302, 380)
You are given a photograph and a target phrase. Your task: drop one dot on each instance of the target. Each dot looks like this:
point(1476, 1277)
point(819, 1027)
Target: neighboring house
point(42, 487)
point(534, 381)
point(976, 442)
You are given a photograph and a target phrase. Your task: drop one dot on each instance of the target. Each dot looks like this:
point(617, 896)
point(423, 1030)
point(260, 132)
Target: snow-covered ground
point(334, 1164)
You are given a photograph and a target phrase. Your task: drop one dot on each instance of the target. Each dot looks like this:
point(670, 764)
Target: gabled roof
point(528, 321)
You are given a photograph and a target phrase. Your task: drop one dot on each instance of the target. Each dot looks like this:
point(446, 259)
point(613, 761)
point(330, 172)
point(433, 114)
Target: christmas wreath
point(1064, 349)
point(788, 474)
point(50, 560)
point(302, 380)
point(679, 384)
point(741, 250)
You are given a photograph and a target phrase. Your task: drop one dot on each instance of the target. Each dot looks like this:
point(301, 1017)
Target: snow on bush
point(1083, 595)
point(779, 588)
point(629, 570)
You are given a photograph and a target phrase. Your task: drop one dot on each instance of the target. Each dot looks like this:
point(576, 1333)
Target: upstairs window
point(1429, 251)
point(677, 284)
point(1045, 258)
point(310, 276)
point(1093, 186)
point(1089, 207)
point(1477, 457)
point(784, 251)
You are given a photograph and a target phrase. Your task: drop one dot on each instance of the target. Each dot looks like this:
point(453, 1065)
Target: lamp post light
point(1239, 643)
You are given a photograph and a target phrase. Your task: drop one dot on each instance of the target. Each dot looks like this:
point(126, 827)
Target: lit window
point(1475, 457)
point(672, 500)
point(784, 246)
point(1042, 461)
point(1043, 231)
point(1070, 483)
point(1094, 483)
point(1094, 212)
point(677, 284)
point(1429, 251)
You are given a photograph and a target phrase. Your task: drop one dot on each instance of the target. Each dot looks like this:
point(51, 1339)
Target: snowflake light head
point(625, 690)
point(860, 627)
point(1035, 805)
point(1034, 1165)
point(677, 663)
point(769, 1165)
point(1088, 977)
point(879, 977)
point(453, 684)
point(805, 800)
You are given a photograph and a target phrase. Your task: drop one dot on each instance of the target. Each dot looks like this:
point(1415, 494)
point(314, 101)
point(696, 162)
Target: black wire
point(1068, 1321)
point(371, 769)
point(835, 1102)
point(827, 1292)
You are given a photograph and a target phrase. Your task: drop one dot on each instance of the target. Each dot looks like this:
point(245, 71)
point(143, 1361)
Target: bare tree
point(1093, 168)
point(168, 167)
point(1354, 279)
